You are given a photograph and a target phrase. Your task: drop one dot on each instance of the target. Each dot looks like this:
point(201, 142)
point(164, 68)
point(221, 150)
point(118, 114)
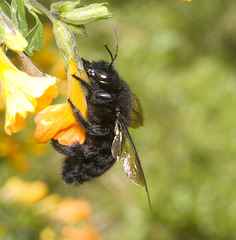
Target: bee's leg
point(80, 150)
point(78, 115)
point(67, 150)
point(84, 83)
point(95, 130)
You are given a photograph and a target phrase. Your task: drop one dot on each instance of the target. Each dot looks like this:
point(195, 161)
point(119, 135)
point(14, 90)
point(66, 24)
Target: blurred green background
point(179, 59)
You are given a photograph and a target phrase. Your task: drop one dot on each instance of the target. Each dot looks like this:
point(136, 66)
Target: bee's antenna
point(113, 58)
point(115, 36)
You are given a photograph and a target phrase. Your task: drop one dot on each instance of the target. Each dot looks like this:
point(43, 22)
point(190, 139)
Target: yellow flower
point(57, 121)
point(23, 94)
point(16, 190)
point(47, 234)
point(187, 0)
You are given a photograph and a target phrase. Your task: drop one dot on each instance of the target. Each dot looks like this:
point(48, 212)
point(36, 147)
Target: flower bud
point(11, 35)
point(59, 7)
point(87, 14)
point(66, 43)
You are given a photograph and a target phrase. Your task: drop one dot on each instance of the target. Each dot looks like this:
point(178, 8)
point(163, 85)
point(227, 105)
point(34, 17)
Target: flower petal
point(23, 94)
point(76, 93)
point(58, 122)
point(75, 133)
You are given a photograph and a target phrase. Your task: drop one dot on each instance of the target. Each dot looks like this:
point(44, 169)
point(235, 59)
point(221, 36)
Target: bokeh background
point(179, 59)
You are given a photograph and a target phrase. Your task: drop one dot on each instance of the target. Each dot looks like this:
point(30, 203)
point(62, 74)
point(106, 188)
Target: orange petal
point(46, 99)
point(71, 135)
point(76, 92)
point(58, 122)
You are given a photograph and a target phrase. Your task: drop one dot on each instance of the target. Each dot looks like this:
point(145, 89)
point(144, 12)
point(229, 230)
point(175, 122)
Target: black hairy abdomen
point(89, 163)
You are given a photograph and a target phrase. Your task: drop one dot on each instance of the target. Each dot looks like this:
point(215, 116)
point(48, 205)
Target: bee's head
point(103, 73)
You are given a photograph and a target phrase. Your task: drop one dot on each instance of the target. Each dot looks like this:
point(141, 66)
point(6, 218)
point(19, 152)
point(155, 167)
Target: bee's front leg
point(94, 130)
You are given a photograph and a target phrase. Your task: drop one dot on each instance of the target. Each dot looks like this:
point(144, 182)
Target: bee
point(111, 109)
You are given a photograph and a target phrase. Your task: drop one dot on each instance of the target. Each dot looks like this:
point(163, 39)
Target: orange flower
point(57, 121)
point(72, 210)
point(88, 233)
point(23, 94)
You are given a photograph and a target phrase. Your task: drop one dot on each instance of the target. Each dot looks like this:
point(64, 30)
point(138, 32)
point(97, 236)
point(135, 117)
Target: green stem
point(40, 8)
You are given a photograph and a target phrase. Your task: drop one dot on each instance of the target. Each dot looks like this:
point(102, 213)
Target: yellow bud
point(11, 35)
point(15, 41)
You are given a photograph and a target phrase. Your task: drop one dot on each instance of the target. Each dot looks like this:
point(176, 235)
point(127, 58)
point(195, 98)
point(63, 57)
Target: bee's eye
point(107, 80)
point(101, 75)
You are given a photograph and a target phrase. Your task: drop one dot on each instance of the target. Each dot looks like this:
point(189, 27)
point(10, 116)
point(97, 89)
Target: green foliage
point(35, 37)
point(5, 7)
point(18, 15)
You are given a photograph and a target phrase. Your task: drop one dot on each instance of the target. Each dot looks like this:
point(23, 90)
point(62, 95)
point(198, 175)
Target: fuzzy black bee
point(111, 108)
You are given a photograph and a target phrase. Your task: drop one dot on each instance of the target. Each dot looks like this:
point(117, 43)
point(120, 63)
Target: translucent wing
point(131, 167)
point(136, 113)
point(118, 141)
point(123, 149)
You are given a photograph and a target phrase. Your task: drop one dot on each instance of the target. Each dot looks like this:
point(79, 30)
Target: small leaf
point(18, 15)
point(5, 7)
point(78, 29)
point(14, 12)
point(35, 37)
point(22, 23)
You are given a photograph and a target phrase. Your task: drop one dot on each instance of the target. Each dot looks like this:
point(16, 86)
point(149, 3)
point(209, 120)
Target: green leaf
point(18, 15)
point(78, 29)
point(5, 7)
point(35, 37)
point(22, 23)
point(14, 12)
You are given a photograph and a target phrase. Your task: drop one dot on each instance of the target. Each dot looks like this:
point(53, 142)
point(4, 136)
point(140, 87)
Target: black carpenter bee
point(111, 108)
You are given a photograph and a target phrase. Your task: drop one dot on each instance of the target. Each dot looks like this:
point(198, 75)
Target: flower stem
point(39, 8)
point(27, 65)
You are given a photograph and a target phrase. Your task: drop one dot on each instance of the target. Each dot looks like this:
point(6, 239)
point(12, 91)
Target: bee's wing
point(123, 149)
point(118, 141)
point(136, 113)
